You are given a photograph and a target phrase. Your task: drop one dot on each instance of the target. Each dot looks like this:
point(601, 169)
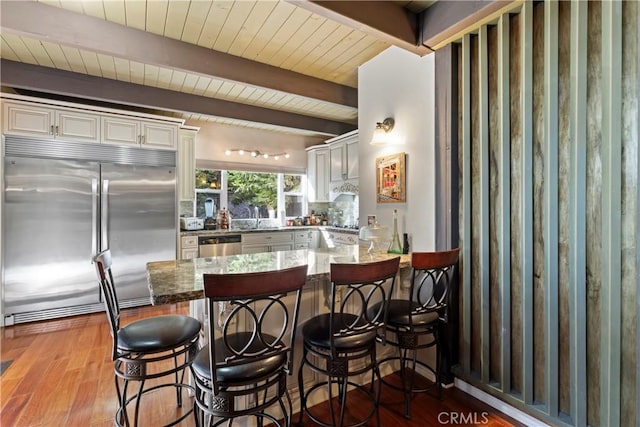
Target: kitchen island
point(181, 280)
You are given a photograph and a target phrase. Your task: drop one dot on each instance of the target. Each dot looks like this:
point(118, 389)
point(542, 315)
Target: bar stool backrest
point(358, 289)
point(255, 322)
point(102, 262)
point(433, 274)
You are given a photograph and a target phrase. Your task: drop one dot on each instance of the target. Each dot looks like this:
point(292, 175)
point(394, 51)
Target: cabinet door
point(281, 247)
point(159, 135)
point(120, 131)
point(28, 120)
point(186, 165)
point(77, 126)
point(318, 175)
point(268, 239)
point(336, 171)
point(322, 175)
point(189, 242)
point(314, 240)
point(351, 149)
point(189, 253)
point(254, 249)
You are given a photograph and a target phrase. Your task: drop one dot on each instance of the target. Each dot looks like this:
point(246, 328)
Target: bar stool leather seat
point(399, 312)
point(158, 333)
point(247, 371)
point(316, 332)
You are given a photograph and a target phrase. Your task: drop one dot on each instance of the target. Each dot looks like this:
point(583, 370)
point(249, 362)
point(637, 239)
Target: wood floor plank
point(62, 374)
point(82, 406)
point(11, 412)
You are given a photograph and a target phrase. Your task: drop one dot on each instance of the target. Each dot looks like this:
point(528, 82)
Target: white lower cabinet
point(188, 247)
point(306, 239)
point(267, 242)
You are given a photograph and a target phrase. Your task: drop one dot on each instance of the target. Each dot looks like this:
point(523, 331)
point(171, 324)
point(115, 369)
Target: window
point(247, 191)
point(244, 192)
point(208, 186)
point(294, 195)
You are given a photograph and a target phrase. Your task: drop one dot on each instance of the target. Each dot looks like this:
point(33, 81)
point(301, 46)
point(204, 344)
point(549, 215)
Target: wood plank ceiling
point(285, 66)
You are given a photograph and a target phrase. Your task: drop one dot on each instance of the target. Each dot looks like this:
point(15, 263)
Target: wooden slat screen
point(549, 105)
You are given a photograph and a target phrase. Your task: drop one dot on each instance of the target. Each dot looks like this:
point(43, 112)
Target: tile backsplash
point(339, 213)
point(185, 208)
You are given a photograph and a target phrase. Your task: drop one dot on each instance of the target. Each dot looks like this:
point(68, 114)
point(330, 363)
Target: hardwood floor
point(61, 375)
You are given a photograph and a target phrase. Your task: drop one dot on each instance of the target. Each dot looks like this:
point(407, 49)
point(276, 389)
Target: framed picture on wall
point(391, 179)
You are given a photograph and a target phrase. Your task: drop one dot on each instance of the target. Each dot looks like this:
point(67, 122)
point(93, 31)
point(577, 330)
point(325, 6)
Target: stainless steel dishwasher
point(228, 244)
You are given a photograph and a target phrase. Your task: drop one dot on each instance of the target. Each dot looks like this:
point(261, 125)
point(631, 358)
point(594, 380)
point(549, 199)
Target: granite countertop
point(267, 229)
point(181, 280)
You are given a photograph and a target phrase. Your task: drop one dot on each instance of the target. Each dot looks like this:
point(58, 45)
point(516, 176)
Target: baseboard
point(498, 404)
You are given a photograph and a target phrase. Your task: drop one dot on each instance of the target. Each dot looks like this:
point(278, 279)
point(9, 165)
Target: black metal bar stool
point(342, 343)
point(243, 369)
point(146, 349)
point(416, 321)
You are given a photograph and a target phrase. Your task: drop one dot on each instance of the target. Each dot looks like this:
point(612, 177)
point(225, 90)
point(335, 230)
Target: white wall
point(400, 85)
point(214, 138)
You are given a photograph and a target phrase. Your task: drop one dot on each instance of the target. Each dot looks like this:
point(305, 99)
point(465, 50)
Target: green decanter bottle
point(395, 247)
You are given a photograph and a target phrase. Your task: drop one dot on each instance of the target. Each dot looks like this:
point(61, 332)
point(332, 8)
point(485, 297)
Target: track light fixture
point(256, 153)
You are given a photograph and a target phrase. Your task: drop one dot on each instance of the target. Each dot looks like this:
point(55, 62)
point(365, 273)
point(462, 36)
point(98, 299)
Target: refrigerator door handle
point(94, 217)
point(104, 224)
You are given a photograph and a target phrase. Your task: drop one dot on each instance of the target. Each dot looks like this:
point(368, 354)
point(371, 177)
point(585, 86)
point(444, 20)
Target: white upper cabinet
point(28, 116)
point(351, 150)
point(186, 164)
point(144, 133)
point(343, 153)
point(318, 174)
point(40, 121)
point(120, 131)
point(338, 163)
point(159, 135)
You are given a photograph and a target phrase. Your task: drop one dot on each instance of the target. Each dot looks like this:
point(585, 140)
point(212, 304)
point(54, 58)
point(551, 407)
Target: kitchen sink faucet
point(257, 215)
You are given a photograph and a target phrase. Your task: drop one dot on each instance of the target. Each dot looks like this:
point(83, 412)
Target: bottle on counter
point(395, 247)
point(223, 219)
point(405, 243)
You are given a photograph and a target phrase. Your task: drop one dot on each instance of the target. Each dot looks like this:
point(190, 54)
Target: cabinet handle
point(51, 131)
point(142, 139)
point(57, 131)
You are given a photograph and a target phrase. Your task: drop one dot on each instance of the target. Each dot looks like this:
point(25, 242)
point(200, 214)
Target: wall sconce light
point(380, 133)
point(256, 153)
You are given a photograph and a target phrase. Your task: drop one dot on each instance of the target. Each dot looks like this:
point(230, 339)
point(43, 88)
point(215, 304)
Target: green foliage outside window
point(292, 183)
point(253, 189)
point(208, 179)
point(247, 190)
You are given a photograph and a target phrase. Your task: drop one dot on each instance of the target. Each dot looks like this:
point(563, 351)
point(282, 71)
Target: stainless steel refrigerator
point(64, 202)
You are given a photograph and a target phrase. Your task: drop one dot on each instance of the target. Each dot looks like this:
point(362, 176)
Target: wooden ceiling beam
point(56, 25)
point(446, 21)
point(66, 83)
point(384, 20)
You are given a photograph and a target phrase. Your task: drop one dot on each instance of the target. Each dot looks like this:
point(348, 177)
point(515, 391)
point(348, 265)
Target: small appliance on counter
point(191, 223)
point(209, 211)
